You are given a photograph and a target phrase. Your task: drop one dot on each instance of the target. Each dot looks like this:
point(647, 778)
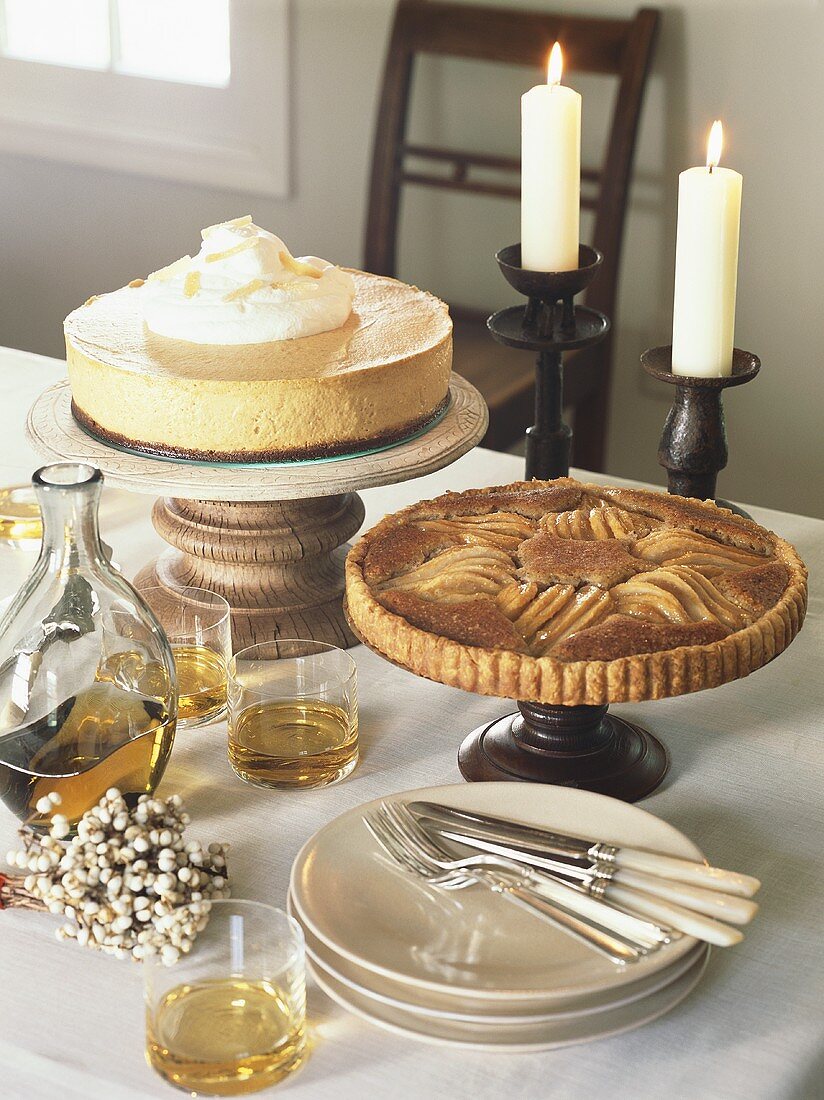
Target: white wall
point(67, 232)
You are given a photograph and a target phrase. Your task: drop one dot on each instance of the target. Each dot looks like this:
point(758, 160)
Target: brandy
point(201, 683)
point(226, 1037)
point(102, 737)
point(20, 520)
point(293, 743)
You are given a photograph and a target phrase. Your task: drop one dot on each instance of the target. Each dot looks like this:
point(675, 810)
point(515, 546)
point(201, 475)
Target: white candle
point(550, 173)
point(706, 266)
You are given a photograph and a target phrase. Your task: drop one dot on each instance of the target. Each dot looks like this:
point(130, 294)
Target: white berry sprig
point(127, 882)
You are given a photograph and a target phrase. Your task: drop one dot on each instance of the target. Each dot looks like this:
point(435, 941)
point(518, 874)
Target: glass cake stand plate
point(269, 537)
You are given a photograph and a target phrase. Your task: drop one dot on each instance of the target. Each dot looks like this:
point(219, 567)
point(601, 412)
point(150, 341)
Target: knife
point(605, 882)
point(576, 851)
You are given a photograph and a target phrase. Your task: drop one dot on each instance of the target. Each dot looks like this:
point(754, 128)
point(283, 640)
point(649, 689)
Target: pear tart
point(566, 593)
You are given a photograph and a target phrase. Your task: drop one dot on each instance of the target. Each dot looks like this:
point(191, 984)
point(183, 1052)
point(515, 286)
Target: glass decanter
point(88, 695)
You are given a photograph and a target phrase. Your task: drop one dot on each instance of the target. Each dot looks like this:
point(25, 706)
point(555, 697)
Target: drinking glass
point(230, 1016)
point(198, 625)
point(293, 714)
point(21, 524)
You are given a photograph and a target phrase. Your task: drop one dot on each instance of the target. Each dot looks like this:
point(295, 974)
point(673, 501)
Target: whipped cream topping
point(245, 287)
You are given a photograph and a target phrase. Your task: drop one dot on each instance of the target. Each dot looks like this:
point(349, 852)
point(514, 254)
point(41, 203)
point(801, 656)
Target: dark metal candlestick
point(582, 746)
point(550, 323)
point(693, 445)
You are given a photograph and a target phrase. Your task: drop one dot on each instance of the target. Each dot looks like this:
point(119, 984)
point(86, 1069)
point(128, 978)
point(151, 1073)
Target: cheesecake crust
point(341, 449)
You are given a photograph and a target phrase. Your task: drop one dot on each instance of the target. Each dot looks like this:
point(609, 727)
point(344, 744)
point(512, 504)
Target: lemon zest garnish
point(250, 242)
point(191, 284)
point(136, 282)
point(163, 274)
point(235, 223)
point(242, 291)
point(298, 267)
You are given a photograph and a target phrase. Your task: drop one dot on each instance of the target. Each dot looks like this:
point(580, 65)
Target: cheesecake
point(246, 353)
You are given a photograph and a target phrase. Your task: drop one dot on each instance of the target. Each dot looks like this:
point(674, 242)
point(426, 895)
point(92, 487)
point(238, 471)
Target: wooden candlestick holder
point(270, 538)
point(693, 445)
point(550, 323)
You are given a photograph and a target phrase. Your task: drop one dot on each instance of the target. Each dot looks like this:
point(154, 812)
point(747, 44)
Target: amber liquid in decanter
point(102, 737)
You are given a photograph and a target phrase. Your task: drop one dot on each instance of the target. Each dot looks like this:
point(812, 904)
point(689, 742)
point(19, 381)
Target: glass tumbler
point(21, 524)
point(198, 625)
point(293, 714)
point(229, 1017)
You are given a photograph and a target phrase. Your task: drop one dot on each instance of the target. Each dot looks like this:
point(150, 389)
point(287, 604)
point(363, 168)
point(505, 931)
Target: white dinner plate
point(471, 942)
point(518, 1038)
point(432, 1005)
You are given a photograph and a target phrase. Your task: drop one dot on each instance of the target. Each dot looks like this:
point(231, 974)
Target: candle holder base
point(583, 747)
point(550, 324)
point(693, 446)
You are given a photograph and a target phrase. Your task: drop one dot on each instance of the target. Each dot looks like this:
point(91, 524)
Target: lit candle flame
point(716, 140)
point(555, 66)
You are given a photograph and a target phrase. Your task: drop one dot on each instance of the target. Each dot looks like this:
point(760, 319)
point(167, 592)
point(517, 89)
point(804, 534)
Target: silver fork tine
point(390, 845)
point(397, 821)
point(406, 858)
point(412, 828)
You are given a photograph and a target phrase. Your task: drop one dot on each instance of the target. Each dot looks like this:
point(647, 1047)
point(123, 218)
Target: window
point(195, 90)
point(72, 32)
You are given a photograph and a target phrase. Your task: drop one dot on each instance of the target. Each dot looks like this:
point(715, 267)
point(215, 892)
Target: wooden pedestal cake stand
point(270, 538)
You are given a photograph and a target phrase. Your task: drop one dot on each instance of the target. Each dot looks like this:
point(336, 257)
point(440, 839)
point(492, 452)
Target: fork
point(635, 928)
point(502, 877)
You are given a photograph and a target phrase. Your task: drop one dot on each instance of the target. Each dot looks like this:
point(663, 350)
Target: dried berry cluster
point(128, 882)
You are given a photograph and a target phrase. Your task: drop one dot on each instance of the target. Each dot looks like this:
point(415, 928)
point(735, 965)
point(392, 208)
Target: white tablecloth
point(746, 783)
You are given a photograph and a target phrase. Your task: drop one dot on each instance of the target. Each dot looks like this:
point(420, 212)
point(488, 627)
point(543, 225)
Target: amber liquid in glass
point(225, 1037)
point(102, 737)
point(20, 521)
point(293, 743)
point(201, 683)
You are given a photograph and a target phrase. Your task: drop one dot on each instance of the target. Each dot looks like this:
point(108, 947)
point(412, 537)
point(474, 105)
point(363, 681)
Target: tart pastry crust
point(567, 593)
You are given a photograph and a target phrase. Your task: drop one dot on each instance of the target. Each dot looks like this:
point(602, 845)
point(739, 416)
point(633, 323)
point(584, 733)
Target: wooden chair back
point(620, 47)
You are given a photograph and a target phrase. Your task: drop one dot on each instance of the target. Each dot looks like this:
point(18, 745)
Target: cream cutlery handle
point(685, 870)
point(703, 928)
point(595, 938)
point(709, 902)
point(641, 931)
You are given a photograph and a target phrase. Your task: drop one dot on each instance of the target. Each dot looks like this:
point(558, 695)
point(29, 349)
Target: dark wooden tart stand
point(584, 746)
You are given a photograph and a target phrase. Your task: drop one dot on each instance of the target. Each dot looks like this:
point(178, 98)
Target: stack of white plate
point(466, 967)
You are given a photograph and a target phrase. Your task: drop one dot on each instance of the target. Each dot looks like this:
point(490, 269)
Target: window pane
point(62, 32)
point(186, 40)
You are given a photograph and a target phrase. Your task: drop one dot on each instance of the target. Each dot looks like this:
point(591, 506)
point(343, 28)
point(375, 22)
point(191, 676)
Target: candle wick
point(710, 168)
